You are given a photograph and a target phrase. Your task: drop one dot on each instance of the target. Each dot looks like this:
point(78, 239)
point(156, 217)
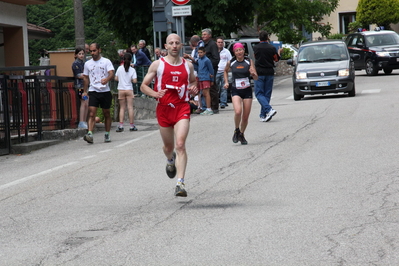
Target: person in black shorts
point(242, 69)
point(98, 71)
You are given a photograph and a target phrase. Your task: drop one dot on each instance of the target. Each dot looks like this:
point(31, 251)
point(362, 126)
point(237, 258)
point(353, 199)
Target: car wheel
point(387, 71)
point(297, 97)
point(352, 93)
point(371, 69)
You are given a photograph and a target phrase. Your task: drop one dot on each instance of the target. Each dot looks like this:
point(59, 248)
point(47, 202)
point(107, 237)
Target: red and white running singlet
point(174, 78)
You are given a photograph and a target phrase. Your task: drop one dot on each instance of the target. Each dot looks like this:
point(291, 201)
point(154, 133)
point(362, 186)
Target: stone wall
point(283, 69)
point(144, 108)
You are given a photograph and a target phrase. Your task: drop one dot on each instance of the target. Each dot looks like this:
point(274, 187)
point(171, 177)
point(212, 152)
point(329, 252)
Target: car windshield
point(322, 52)
point(382, 39)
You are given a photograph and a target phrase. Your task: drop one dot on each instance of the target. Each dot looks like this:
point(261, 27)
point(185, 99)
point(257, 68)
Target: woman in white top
point(125, 75)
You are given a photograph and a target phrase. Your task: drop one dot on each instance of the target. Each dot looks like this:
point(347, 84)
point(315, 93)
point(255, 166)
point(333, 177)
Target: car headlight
point(300, 75)
point(343, 72)
point(382, 54)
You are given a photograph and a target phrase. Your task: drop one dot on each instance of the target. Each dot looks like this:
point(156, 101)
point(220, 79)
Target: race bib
point(242, 83)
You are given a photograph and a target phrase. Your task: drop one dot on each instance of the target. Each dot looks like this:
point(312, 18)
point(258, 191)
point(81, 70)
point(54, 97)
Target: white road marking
point(134, 140)
point(371, 91)
point(105, 151)
point(25, 179)
point(22, 180)
point(88, 157)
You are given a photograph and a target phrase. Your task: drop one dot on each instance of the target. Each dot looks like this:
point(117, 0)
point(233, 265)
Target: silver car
point(323, 67)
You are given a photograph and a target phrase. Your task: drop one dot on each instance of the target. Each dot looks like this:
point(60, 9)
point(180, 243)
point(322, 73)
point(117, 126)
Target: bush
point(286, 54)
point(336, 36)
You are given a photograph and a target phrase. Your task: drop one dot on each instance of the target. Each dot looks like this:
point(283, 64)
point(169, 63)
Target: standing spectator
point(87, 51)
point(242, 69)
point(212, 53)
point(195, 43)
point(225, 56)
point(141, 58)
point(174, 80)
point(77, 69)
point(164, 52)
point(98, 71)
point(125, 75)
point(205, 78)
point(158, 53)
point(144, 49)
point(44, 60)
point(265, 56)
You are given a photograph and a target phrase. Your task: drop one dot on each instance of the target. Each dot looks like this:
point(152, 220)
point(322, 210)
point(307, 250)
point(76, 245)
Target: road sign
point(181, 11)
point(180, 2)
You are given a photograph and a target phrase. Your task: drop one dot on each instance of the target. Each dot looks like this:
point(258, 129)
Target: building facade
point(14, 32)
point(342, 16)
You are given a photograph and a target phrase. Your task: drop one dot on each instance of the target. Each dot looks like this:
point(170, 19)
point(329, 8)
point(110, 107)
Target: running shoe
point(107, 138)
point(270, 114)
point(89, 138)
point(207, 112)
point(236, 135)
point(180, 190)
point(119, 129)
point(262, 119)
point(171, 167)
point(242, 139)
point(134, 128)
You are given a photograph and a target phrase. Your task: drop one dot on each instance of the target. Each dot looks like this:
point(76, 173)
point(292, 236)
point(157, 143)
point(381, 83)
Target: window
point(344, 20)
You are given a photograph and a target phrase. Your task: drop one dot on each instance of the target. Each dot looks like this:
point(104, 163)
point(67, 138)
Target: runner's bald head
point(173, 35)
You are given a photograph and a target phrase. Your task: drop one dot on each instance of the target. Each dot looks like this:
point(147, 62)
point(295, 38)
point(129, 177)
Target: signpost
point(166, 14)
point(180, 2)
point(181, 11)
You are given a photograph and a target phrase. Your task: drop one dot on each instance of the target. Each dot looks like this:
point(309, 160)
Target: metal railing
point(33, 103)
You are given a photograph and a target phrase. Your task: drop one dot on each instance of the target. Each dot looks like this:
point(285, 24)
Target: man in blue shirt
point(141, 58)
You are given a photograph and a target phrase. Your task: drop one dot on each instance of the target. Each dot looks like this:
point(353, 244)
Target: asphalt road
point(317, 185)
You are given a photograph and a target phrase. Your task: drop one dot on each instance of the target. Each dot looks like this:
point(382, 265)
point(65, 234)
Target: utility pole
point(79, 24)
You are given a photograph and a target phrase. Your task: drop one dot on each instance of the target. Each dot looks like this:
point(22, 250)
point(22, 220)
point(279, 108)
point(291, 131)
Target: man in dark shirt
point(140, 58)
point(144, 49)
point(265, 56)
point(212, 52)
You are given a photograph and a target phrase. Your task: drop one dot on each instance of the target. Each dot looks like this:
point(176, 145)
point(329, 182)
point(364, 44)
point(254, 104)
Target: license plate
point(323, 84)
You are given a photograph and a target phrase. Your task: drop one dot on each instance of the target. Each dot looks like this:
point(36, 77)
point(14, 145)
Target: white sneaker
point(270, 114)
point(82, 125)
point(262, 119)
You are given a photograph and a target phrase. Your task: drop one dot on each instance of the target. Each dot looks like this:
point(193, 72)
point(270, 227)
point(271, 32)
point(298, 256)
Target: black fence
point(31, 104)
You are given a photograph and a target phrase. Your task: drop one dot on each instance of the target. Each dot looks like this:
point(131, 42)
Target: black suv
point(377, 49)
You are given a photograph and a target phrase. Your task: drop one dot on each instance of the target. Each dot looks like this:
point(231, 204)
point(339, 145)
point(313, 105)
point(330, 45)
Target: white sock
point(180, 180)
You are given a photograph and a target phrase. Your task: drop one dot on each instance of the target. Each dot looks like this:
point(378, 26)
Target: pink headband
point(238, 45)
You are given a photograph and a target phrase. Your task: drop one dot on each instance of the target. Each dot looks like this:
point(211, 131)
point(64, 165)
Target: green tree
point(380, 12)
point(58, 16)
point(289, 18)
point(132, 22)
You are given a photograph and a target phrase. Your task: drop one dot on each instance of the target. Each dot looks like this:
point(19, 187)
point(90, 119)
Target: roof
point(37, 32)
point(322, 42)
point(375, 32)
point(25, 2)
